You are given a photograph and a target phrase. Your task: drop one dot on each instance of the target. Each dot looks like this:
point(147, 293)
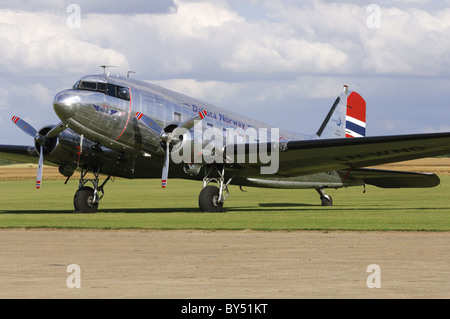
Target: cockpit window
point(105, 88)
point(85, 85)
point(88, 86)
point(123, 93)
point(102, 87)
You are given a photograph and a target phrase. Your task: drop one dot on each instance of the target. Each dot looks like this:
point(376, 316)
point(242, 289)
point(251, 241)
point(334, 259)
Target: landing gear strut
point(326, 199)
point(211, 198)
point(87, 198)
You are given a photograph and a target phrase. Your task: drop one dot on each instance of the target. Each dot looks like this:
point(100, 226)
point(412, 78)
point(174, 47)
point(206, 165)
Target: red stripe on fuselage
point(128, 119)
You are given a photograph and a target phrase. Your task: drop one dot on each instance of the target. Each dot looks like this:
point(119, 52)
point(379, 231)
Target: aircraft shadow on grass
point(261, 208)
point(126, 210)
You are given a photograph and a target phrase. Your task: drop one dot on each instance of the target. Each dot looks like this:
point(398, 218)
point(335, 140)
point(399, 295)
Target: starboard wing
point(296, 158)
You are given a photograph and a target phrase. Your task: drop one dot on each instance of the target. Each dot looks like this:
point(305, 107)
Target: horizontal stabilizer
point(392, 179)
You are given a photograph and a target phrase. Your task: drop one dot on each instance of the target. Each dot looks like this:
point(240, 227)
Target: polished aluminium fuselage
point(110, 122)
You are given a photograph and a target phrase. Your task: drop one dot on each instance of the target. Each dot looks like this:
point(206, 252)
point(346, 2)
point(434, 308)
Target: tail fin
point(347, 117)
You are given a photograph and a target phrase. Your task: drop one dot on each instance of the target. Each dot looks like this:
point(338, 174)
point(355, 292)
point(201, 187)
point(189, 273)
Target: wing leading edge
point(304, 157)
point(297, 158)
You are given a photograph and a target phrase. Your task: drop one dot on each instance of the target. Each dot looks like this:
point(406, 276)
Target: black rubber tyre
point(83, 201)
point(327, 201)
point(208, 200)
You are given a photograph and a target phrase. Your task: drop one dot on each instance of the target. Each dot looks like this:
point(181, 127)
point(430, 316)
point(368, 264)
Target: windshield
point(105, 88)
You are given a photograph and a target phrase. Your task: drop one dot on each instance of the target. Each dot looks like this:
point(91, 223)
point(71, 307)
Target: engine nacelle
point(66, 170)
point(192, 169)
point(62, 149)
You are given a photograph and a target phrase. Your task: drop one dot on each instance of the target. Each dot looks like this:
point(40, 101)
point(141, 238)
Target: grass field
point(142, 204)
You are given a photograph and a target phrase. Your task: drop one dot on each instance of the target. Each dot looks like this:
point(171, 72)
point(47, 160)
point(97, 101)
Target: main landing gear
point(326, 199)
point(211, 198)
point(87, 198)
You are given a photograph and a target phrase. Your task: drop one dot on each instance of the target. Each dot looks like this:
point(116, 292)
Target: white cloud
point(282, 52)
point(283, 55)
point(41, 95)
point(307, 87)
point(43, 44)
point(214, 92)
point(409, 41)
point(212, 39)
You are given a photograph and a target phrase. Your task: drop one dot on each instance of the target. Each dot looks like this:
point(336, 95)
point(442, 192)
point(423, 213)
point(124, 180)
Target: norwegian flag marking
point(202, 114)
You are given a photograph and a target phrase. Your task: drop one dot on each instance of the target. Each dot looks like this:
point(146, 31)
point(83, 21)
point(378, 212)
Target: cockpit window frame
point(109, 89)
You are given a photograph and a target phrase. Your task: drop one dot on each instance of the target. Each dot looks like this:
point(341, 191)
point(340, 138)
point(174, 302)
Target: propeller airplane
point(123, 127)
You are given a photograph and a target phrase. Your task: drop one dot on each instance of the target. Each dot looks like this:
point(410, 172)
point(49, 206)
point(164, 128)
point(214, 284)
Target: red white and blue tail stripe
point(346, 118)
point(355, 121)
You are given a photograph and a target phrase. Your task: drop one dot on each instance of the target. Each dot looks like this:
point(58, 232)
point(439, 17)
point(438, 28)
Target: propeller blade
point(165, 171)
point(24, 126)
point(187, 125)
point(56, 130)
point(169, 138)
point(40, 168)
point(150, 123)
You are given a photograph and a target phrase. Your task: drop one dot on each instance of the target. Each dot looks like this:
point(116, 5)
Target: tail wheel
point(84, 200)
point(208, 200)
point(327, 200)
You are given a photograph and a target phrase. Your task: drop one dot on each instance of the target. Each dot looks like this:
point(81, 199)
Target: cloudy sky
point(280, 61)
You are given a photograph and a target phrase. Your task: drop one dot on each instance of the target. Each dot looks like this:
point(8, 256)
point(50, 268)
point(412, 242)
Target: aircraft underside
point(215, 181)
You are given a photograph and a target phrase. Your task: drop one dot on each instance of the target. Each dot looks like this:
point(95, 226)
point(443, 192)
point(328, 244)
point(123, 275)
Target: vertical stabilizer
point(347, 117)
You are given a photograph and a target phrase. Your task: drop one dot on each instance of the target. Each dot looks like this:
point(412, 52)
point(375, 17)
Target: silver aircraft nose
point(65, 104)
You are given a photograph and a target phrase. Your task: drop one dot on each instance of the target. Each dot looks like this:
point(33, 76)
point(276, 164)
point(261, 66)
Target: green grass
point(142, 204)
